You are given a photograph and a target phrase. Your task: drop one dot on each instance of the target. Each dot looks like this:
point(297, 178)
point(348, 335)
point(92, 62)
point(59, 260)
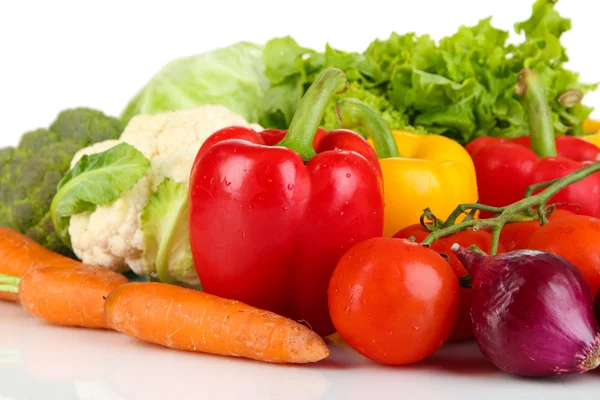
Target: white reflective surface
point(43, 362)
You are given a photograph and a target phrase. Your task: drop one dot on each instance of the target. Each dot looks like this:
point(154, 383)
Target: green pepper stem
point(353, 113)
point(541, 129)
point(310, 111)
point(9, 283)
point(512, 213)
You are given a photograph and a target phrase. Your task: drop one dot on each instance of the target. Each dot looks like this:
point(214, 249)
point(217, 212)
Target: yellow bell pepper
point(595, 138)
point(428, 171)
point(593, 127)
point(434, 171)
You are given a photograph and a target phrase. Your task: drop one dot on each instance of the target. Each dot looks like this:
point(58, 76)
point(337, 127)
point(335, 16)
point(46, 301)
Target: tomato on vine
point(466, 238)
point(576, 238)
point(516, 236)
point(393, 300)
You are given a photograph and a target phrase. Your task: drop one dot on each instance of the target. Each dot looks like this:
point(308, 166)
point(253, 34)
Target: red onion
point(598, 307)
point(532, 312)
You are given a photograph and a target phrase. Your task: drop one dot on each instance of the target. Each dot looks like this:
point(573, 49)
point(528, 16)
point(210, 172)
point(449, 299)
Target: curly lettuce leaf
point(164, 224)
point(462, 87)
point(96, 180)
point(378, 102)
point(544, 21)
point(291, 69)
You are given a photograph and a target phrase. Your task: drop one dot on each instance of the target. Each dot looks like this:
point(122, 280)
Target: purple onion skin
point(598, 307)
point(532, 312)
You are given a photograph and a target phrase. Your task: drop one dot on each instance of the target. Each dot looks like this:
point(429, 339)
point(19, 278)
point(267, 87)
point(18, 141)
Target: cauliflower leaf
point(164, 223)
point(96, 180)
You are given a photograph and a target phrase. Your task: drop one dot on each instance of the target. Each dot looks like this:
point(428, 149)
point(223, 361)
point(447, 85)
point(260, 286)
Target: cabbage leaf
point(232, 76)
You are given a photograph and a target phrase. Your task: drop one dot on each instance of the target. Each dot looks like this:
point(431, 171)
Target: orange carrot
point(20, 254)
point(65, 296)
point(190, 320)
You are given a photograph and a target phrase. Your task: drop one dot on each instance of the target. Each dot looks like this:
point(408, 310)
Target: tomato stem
point(536, 186)
point(430, 222)
point(462, 208)
point(513, 212)
point(465, 281)
point(477, 249)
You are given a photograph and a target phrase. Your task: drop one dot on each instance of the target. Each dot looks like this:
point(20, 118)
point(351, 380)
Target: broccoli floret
point(37, 140)
point(6, 156)
point(30, 172)
point(85, 126)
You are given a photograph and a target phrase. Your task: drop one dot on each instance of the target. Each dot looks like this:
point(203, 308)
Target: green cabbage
point(231, 76)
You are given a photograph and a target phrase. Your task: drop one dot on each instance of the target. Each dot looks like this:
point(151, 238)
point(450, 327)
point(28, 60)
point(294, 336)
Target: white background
point(59, 54)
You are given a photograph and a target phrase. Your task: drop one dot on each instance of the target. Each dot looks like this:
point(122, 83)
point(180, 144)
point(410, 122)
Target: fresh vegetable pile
point(464, 206)
point(123, 204)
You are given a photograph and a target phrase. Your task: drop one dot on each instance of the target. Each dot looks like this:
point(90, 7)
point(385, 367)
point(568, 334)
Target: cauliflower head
point(111, 236)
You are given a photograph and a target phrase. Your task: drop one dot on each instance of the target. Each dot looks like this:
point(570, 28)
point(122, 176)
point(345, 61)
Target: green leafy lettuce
point(96, 180)
point(231, 76)
point(164, 224)
point(462, 86)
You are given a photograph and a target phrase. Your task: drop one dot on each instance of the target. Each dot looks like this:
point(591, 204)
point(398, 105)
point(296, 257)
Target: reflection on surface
point(188, 375)
point(42, 362)
point(18, 385)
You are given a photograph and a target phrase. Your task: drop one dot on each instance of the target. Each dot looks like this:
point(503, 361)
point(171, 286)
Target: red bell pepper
point(570, 147)
point(269, 223)
point(505, 168)
point(273, 136)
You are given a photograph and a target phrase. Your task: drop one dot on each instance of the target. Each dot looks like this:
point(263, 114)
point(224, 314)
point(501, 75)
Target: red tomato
point(576, 238)
point(393, 301)
point(481, 239)
point(516, 236)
